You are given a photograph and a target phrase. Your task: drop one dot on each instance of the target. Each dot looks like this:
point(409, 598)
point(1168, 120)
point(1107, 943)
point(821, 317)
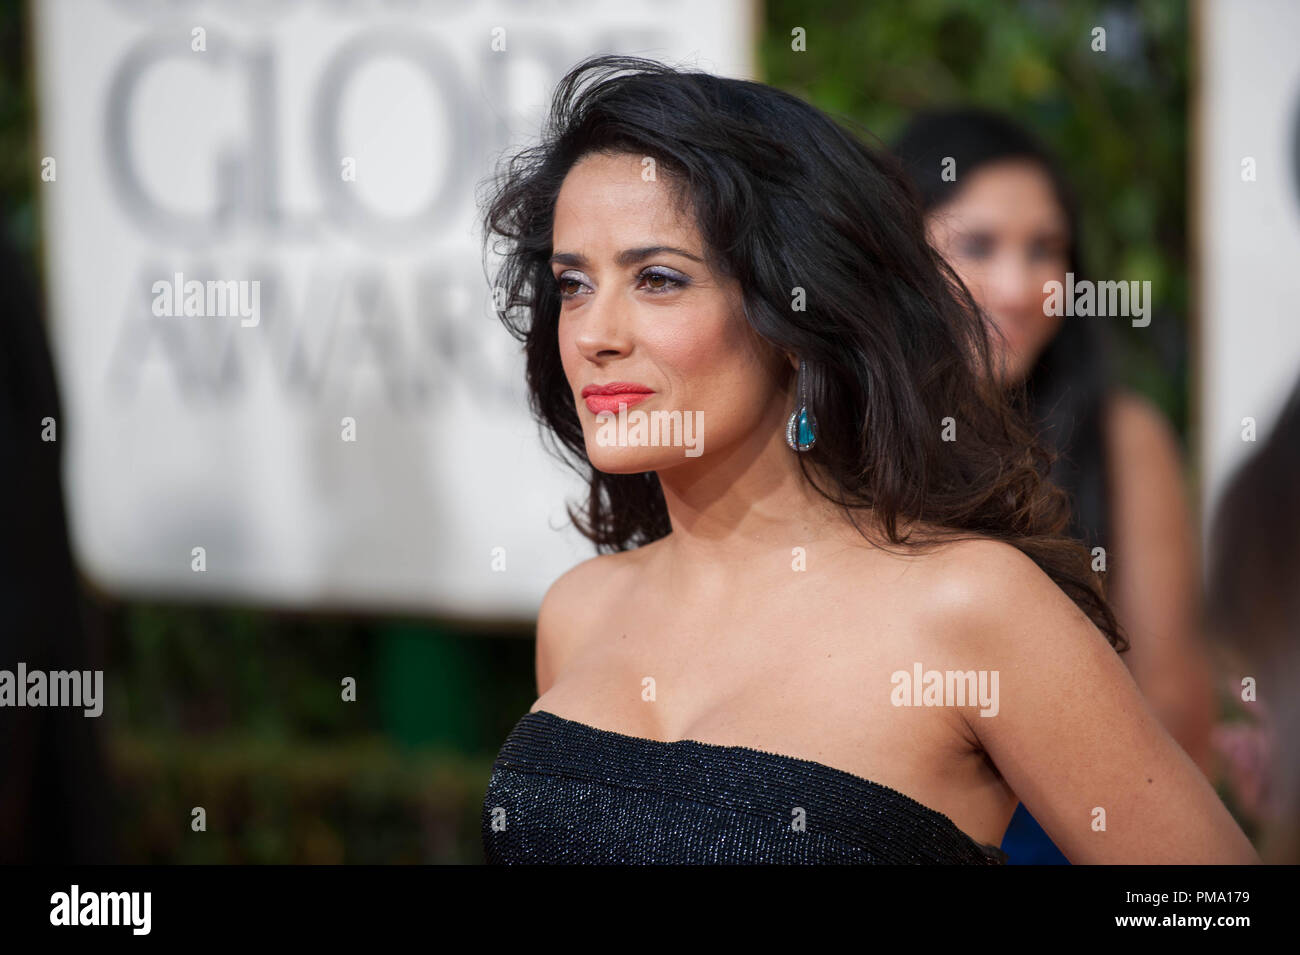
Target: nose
point(604, 327)
point(1012, 287)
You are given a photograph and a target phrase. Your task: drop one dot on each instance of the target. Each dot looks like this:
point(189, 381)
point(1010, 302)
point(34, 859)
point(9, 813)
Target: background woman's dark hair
point(1066, 388)
point(785, 197)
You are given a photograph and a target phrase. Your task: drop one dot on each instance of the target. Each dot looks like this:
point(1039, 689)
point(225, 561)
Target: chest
point(819, 686)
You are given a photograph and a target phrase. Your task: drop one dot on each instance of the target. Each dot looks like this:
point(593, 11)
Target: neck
point(747, 503)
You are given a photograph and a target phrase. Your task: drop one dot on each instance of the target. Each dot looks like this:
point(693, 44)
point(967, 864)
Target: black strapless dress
point(565, 792)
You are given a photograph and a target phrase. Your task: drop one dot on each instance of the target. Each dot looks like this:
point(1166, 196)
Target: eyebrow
point(626, 257)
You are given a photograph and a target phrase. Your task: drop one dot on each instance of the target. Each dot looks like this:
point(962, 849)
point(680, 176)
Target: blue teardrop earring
point(801, 430)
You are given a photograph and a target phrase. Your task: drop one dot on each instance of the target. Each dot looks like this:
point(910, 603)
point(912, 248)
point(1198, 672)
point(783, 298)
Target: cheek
point(1045, 324)
point(1048, 272)
point(696, 356)
point(971, 275)
point(570, 359)
point(715, 364)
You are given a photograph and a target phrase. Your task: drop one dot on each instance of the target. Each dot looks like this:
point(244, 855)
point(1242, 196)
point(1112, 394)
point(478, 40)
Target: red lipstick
point(608, 397)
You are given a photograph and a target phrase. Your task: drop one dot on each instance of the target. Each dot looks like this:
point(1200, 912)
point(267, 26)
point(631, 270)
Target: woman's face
point(1006, 235)
point(640, 305)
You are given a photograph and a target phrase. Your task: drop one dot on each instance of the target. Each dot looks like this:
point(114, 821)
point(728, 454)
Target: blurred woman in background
point(1000, 211)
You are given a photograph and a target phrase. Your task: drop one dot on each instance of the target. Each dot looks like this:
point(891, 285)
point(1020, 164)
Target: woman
point(998, 209)
point(765, 666)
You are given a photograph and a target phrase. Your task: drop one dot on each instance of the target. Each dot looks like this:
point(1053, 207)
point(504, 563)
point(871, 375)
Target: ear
point(793, 359)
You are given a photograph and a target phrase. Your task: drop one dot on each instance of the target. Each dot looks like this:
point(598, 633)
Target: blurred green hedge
point(242, 713)
point(355, 799)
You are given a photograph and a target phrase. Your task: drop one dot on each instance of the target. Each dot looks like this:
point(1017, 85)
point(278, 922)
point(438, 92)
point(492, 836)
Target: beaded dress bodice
point(565, 792)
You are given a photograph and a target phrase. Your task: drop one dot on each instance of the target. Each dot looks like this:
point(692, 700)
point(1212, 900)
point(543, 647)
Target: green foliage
point(206, 671)
point(350, 800)
point(241, 712)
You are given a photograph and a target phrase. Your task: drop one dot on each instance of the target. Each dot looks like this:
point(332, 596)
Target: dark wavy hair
point(1067, 386)
point(786, 197)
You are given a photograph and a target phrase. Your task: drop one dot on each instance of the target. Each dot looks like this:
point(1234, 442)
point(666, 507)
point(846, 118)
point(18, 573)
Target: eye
point(976, 245)
point(571, 283)
point(657, 279)
point(1043, 250)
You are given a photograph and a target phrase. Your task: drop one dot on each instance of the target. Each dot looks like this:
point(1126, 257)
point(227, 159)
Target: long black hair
point(1066, 388)
point(785, 197)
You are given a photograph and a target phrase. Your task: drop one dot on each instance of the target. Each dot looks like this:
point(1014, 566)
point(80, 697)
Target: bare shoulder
point(976, 585)
point(1064, 723)
point(577, 594)
point(1137, 430)
point(574, 605)
point(992, 607)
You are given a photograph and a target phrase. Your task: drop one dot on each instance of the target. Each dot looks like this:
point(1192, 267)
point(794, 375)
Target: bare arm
point(1073, 736)
point(1152, 577)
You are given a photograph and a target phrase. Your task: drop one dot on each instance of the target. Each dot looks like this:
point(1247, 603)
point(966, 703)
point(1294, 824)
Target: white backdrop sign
point(282, 379)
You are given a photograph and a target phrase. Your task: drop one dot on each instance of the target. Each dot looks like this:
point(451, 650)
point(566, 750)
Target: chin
point(634, 460)
point(651, 442)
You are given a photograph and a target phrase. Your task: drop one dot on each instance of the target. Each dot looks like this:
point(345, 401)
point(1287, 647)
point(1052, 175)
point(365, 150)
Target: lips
point(601, 398)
